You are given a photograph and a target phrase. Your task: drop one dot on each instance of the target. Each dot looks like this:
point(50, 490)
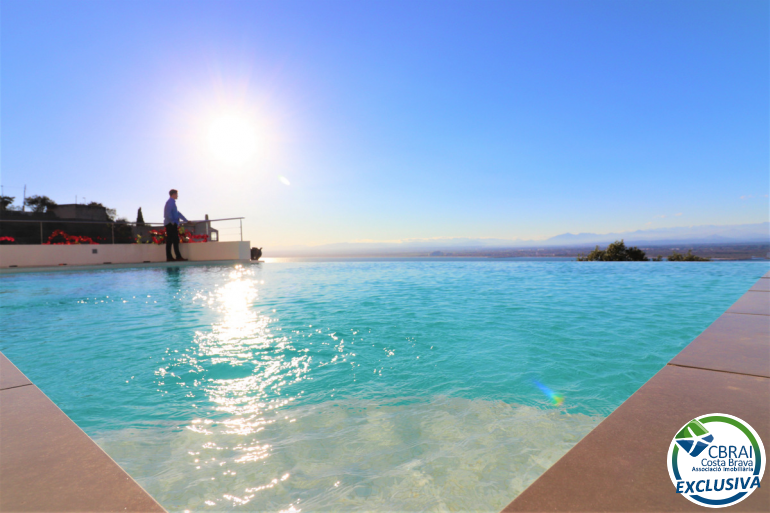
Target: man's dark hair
point(172, 192)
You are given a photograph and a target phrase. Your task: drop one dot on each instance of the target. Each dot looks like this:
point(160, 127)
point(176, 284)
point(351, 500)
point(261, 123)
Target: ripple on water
point(444, 454)
point(353, 385)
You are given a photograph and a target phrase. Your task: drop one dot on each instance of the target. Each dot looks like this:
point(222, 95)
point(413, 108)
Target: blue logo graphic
point(694, 438)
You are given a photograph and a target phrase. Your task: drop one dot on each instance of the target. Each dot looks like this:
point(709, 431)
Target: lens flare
point(556, 399)
point(284, 180)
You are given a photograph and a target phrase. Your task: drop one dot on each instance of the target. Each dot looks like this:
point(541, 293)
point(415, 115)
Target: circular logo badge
point(716, 460)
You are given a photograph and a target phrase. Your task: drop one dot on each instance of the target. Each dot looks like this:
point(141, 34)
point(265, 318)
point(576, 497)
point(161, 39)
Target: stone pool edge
point(47, 463)
point(111, 267)
point(621, 464)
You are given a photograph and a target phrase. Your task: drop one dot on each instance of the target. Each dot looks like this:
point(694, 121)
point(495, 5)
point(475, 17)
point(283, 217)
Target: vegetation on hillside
point(615, 252)
point(689, 257)
point(618, 252)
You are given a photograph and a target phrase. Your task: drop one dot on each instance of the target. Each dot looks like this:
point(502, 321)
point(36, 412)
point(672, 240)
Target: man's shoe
point(170, 260)
point(180, 259)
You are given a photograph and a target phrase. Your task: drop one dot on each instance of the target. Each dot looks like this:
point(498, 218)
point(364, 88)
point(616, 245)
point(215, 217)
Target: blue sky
point(393, 120)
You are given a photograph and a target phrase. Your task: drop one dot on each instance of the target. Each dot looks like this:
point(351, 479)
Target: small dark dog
point(256, 253)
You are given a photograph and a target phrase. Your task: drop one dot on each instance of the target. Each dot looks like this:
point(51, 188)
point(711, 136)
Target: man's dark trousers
point(172, 237)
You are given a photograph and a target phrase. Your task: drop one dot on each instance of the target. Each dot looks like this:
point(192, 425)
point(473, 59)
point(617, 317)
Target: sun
point(232, 139)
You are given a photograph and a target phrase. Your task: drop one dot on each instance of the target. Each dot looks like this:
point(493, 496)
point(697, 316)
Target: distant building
point(80, 212)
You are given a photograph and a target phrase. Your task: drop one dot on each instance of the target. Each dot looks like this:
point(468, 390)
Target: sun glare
point(232, 140)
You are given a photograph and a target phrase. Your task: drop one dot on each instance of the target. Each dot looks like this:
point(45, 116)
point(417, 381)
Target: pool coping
point(47, 463)
point(111, 267)
point(621, 464)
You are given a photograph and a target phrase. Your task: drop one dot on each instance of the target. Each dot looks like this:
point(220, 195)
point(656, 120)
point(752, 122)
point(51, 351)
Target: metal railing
point(61, 224)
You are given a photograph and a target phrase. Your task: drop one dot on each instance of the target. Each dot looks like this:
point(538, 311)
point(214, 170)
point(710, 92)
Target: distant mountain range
point(704, 234)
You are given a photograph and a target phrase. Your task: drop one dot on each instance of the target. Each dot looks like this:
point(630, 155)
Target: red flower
point(59, 237)
point(158, 236)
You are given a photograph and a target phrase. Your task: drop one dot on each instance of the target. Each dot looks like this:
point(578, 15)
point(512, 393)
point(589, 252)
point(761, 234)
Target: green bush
point(6, 202)
point(689, 257)
point(40, 204)
point(615, 252)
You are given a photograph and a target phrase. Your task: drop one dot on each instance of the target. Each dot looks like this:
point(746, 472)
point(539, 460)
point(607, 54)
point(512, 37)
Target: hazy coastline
point(745, 251)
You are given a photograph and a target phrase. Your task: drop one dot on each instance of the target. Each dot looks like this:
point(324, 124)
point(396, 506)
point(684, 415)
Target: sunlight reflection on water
point(352, 386)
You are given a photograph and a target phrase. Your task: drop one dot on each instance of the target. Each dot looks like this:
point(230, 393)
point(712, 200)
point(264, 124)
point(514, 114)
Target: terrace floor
point(47, 463)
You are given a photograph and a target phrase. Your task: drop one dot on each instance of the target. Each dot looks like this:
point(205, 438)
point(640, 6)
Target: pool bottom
point(444, 454)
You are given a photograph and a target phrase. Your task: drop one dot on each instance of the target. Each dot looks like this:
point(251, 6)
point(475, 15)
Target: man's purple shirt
point(170, 214)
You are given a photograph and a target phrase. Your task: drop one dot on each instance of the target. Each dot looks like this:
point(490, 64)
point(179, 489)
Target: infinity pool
point(383, 385)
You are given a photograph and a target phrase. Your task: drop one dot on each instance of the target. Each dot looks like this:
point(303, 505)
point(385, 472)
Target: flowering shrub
point(198, 238)
point(59, 237)
point(159, 236)
point(7, 240)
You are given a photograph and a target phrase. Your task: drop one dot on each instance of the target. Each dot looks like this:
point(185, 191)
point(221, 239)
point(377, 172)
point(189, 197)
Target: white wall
point(83, 254)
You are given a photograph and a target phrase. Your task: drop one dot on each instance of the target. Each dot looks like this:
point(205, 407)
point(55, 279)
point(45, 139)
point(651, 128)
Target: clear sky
point(393, 119)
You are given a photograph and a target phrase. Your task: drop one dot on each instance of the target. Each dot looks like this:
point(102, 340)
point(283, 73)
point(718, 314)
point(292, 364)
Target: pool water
point(382, 385)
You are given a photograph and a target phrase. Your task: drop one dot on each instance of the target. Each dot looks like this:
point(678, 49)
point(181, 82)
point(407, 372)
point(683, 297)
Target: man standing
point(171, 218)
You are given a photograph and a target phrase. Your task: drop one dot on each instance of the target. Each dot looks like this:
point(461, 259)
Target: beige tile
point(621, 465)
point(10, 376)
point(762, 285)
point(756, 303)
point(49, 464)
point(734, 343)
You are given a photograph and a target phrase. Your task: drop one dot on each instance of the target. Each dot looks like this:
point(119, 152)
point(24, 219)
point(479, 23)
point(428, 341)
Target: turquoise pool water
point(386, 385)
